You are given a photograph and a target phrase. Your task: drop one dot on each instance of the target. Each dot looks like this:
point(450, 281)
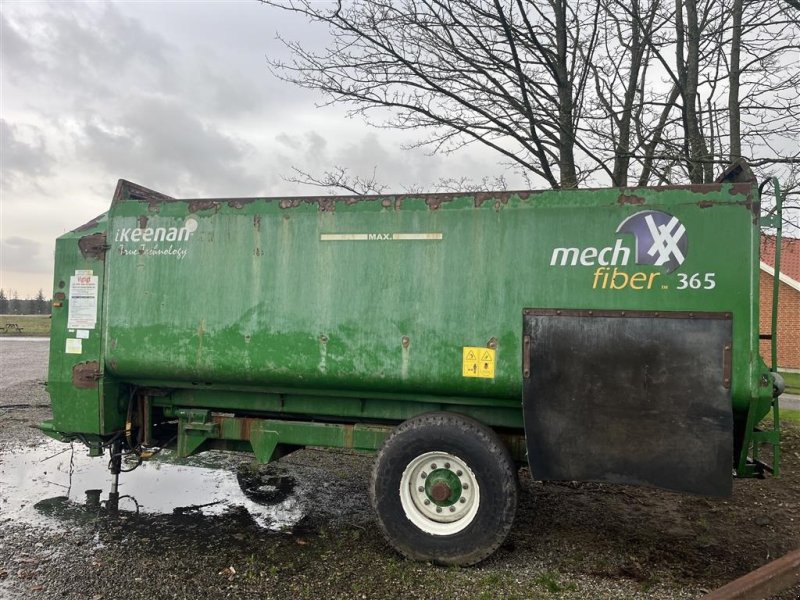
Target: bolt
point(465, 486)
point(424, 475)
point(433, 467)
point(420, 489)
point(446, 465)
point(438, 509)
point(459, 473)
point(426, 502)
point(452, 509)
point(462, 499)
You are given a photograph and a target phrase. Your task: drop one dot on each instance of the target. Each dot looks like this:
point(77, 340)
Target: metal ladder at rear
point(759, 437)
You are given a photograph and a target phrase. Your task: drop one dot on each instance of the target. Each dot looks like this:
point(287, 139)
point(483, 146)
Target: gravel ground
point(303, 528)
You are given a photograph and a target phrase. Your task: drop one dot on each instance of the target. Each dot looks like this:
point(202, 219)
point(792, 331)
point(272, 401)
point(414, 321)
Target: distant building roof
point(790, 258)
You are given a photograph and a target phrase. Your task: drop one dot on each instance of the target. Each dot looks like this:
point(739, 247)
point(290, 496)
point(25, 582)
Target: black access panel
point(629, 397)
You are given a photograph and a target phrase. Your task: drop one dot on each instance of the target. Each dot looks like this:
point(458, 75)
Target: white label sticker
point(378, 237)
point(74, 346)
point(82, 334)
point(82, 301)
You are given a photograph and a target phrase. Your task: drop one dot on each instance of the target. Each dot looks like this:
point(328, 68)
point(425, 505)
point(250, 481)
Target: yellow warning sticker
point(478, 362)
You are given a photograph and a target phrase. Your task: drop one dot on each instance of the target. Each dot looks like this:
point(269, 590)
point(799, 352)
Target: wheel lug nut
point(465, 486)
point(462, 500)
point(424, 475)
point(452, 509)
point(446, 465)
point(433, 467)
point(438, 509)
point(427, 502)
point(420, 489)
point(459, 473)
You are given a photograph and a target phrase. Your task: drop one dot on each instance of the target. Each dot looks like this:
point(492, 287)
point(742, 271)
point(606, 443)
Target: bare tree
point(511, 76)
point(339, 178)
point(658, 91)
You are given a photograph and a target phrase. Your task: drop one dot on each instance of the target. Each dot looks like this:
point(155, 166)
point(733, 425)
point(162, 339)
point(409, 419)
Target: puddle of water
point(36, 484)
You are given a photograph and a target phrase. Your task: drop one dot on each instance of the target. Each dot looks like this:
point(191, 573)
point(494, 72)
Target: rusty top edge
point(128, 191)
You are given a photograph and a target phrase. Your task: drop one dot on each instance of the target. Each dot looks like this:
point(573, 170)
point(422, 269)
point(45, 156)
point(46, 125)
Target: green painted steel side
point(250, 293)
point(93, 407)
point(357, 309)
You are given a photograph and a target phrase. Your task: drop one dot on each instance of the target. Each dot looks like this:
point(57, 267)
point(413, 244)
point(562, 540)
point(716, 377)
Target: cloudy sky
point(175, 96)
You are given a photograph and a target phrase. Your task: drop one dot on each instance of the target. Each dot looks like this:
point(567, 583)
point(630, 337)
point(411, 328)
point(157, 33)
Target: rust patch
point(85, 375)
point(93, 246)
point(434, 203)
point(198, 205)
point(257, 222)
point(630, 199)
point(327, 204)
point(482, 197)
point(239, 203)
point(500, 199)
point(142, 222)
point(244, 425)
point(705, 204)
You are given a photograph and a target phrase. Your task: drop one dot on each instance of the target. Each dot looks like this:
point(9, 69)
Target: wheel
point(444, 488)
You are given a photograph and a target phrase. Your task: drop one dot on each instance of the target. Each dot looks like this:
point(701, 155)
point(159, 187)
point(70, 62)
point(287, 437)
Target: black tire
point(484, 527)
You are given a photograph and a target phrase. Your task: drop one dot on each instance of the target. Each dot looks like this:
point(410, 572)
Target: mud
point(218, 526)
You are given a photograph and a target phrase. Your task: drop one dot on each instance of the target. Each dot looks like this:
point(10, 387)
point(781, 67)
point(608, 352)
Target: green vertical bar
point(776, 279)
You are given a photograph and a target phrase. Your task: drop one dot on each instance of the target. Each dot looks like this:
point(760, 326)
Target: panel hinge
point(526, 357)
point(85, 375)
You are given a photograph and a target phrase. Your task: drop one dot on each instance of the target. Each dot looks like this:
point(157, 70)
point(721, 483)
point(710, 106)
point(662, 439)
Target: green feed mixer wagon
point(606, 335)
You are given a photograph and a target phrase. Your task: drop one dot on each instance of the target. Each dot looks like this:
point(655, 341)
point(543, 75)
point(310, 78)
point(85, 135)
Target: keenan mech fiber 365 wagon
point(596, 335)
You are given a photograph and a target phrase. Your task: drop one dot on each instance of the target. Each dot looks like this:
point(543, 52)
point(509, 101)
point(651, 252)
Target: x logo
point(665, 240)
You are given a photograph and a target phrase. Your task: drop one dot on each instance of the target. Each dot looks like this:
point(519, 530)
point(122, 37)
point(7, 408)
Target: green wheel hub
point(443, 487)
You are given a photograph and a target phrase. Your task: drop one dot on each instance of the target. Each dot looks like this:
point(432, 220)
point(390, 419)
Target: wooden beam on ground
point(764, 582)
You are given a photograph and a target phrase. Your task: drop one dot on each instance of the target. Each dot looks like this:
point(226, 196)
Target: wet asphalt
point(22, 359)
